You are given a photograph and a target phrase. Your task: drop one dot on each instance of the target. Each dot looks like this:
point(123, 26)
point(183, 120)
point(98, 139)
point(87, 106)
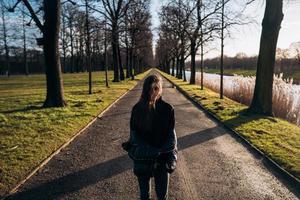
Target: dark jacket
point(153, 139)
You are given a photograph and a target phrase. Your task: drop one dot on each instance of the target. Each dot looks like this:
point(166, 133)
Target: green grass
point(277, 138)
point(29, 134)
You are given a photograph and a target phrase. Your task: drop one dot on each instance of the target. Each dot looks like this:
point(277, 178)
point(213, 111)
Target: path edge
point(46, 160)
point(290, 177)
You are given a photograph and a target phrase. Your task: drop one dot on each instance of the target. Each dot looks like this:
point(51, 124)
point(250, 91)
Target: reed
point(286, 95)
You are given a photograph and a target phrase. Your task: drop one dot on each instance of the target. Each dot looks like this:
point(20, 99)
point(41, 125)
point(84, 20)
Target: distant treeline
point(249, 63)
point(35, 62)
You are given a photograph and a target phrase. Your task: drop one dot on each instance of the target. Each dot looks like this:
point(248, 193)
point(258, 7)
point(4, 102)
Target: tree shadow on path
point(54, 189)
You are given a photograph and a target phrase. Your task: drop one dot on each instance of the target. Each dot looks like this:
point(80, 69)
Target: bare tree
point(228, 18)
point(138, 36)
point(200, 31)
point(50, 30)
point(5, 37)
point(80, 38)
point(262, 98)
point(176, 17)
point(114, 11)
point(191, 25)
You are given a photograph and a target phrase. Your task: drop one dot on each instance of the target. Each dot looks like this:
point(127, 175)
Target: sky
point(246, 38)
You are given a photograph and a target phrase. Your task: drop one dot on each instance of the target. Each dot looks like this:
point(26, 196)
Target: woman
point(153, 138)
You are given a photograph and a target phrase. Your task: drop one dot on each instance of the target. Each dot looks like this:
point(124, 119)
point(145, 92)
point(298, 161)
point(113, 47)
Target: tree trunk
point(105, 55)
point(138, 65)
point(193, 63)
point(122, 76)
point(25, 46)
point(54, 97)
point(80, 53)
point(201, 62)
point(135, 64)
point(127, 46)
point(88, 47)
point(115, 53)
point(63, 40)
point(222, 53)
point(201, 48)
point(168, 64)
point(131, 64)
point(262, 98)
point(7, 61)
point(177, 66)
point(173, 66)
point(127, 60)
point(184, 74)
point(72, 47)
point(181, 65)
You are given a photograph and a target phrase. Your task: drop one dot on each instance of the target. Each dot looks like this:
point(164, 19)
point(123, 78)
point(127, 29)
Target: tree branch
point(33, 15)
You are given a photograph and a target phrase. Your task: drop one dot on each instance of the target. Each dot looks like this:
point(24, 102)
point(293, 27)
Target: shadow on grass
point(242, 117)
point(56, 189)
point(84, 92)
point(245, 116)
point(28, 108)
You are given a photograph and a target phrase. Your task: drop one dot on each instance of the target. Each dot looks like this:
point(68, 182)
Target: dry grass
point(286, 96)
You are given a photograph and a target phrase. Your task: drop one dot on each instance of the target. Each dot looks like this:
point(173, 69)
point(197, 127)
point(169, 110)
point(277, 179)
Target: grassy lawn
point(277, 138)
point(29, 134)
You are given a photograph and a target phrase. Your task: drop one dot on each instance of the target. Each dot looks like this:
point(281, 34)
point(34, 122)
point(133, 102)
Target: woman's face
point(156, 91)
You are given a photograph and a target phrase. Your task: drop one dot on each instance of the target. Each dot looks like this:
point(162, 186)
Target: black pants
point(161, 179)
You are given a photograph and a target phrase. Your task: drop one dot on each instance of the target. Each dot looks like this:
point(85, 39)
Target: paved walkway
point(212, 163)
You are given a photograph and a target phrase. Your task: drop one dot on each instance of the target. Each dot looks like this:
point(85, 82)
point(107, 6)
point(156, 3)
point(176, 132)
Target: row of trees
point(188, 25)
point(240, 61)
point(287, 61)
point(86, 35)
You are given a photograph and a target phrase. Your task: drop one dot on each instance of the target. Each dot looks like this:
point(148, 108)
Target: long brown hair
point(146, 105)
point(152, 84)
